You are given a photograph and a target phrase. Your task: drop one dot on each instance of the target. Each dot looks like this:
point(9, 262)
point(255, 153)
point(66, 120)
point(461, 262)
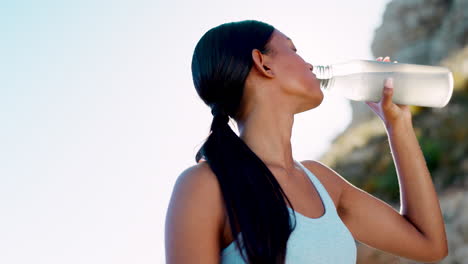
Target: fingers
point(403, 107)
point(386, 59)
point(387, 93)
point(388, 83)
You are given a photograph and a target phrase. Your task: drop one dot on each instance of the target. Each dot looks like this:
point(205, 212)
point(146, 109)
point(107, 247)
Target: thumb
point(387, 93)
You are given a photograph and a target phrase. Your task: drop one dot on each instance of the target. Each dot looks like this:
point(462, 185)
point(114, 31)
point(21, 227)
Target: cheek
point(306, 78)
point(295, 76)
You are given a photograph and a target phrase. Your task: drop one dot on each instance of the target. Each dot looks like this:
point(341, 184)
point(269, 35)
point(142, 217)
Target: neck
point(267, 131)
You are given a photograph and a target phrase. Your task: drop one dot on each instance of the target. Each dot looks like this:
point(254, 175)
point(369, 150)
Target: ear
point(261, 64)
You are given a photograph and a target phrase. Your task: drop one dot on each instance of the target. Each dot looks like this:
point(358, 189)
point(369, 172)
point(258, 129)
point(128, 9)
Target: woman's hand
point(390, 113)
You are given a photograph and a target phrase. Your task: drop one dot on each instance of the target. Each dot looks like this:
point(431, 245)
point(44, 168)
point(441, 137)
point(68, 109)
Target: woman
point(250, 201)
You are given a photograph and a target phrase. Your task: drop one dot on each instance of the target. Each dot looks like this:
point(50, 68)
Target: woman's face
point(293, 74)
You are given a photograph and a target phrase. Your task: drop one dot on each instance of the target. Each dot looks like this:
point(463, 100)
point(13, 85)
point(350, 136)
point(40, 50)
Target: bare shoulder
point(199, 178)
point(194, 219)
point(332, 181)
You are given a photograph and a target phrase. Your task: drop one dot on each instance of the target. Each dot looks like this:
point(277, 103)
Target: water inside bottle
point(423, 89)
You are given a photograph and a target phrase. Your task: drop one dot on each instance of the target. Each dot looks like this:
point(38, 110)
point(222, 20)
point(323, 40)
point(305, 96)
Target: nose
point(311, 68)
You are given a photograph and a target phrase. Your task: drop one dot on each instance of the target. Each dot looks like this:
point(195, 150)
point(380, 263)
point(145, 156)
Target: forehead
point(280, 38)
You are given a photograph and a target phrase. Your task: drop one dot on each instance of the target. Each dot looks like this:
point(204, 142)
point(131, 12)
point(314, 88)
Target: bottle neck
point(324, 74)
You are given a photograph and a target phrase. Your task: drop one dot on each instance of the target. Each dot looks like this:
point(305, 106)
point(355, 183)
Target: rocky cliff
point(421, 32)
point(431, 32)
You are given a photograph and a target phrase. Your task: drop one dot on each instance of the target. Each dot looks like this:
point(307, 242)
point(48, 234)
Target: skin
point(280, 85)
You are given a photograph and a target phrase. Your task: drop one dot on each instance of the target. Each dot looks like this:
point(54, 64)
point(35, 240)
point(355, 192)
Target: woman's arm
point(419, 202)
point(194, 218)
point(417, 232)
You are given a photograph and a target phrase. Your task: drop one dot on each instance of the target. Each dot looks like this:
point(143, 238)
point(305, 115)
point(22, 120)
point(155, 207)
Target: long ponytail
point(254, 200)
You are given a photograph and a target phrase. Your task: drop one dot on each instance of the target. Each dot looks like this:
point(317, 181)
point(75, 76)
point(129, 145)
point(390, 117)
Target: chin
point(313, 102)
point(317, 99)
point(319, 102)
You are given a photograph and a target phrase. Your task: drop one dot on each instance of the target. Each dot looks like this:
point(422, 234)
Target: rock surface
point(420, 32)
point(431, 32)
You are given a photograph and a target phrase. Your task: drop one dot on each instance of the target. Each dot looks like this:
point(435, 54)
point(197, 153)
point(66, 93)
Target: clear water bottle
point(363, 80)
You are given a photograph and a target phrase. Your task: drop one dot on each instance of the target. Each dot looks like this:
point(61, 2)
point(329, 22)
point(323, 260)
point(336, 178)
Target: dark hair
point(254, 200)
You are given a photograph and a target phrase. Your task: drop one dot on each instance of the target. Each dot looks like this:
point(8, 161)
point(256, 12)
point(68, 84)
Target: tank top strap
point(326, 199)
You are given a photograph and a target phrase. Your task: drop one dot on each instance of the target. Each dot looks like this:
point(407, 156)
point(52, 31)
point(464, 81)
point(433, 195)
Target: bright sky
point(99, 115)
